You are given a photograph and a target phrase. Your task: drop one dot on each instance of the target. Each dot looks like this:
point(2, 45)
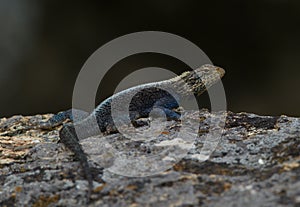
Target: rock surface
point(256, 163)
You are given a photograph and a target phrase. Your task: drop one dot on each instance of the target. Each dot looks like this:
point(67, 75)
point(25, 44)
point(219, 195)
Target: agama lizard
point(144, 99)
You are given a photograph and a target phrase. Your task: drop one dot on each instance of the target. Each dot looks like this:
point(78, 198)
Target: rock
point(255, 163)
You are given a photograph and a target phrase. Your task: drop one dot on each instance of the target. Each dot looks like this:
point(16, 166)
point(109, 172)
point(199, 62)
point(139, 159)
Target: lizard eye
point(206, 70)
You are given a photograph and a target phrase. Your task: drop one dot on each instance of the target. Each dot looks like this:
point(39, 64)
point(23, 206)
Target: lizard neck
point(188, 83)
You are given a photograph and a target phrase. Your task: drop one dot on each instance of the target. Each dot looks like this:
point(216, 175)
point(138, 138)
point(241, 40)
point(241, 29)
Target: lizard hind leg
point(62, 116)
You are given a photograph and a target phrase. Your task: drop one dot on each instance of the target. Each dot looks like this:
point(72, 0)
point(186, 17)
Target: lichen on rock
point(256, 163)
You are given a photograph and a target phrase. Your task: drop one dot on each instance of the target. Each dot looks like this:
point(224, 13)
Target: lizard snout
point(221, 71)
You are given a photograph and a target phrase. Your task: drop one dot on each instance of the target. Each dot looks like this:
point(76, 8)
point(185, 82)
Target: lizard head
point(209, 74)
point(200, 79)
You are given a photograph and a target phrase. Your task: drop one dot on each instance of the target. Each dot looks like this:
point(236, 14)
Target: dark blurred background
point(43, 45)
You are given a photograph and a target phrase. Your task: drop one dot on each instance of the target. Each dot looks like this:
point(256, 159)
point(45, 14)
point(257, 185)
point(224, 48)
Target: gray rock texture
point(256, 163)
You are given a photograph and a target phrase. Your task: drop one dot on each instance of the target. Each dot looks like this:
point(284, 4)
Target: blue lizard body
point(145, 97)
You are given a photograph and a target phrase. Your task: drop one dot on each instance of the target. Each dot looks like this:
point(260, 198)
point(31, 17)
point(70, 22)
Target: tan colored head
point(200, 79)
point(209, 74)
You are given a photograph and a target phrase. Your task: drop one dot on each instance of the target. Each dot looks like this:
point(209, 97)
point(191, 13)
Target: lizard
point(146, 96)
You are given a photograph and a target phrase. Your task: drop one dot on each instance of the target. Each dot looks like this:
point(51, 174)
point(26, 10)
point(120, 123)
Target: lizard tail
point(68, 136)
